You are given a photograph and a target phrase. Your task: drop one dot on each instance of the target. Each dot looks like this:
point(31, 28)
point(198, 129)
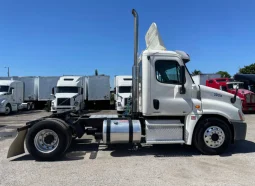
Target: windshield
point(67, 90)
point(4, 88)
point(234, 86)
point(125, 89)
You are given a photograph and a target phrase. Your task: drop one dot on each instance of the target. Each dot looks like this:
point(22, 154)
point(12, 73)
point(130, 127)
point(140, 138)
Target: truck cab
point(122, 92)
point(69, 94)
point(247, 79)
point(229, 85)
point(11, 96)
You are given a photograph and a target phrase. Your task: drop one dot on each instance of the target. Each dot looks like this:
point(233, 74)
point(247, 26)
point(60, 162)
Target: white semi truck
point(11, 96)
point(77, 92)
point(35, 92)
point(69, 94)
point(122, 92)
point(167, 108)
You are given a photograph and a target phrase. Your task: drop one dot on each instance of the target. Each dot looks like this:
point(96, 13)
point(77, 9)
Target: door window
point(167, 71)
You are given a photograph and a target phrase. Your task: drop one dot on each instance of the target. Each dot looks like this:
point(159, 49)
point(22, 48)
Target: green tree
point(196, 72)
point(248, 69)
point(224, 74)
point(96, 72)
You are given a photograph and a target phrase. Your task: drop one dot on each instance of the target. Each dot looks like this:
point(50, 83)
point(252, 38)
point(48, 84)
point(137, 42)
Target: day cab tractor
point(234, 87)
point(167, 108)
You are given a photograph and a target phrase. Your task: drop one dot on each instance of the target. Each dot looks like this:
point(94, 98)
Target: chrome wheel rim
point(214, 137)
point(46, 141)
point(7, 110)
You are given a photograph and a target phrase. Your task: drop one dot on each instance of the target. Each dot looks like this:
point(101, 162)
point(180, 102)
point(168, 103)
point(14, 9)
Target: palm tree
point(196, 72)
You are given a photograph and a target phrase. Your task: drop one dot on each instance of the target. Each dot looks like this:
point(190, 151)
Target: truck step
point(164, 131)
point(166, 142)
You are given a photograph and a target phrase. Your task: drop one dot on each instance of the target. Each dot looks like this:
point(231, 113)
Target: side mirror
point(12, 91)
point(81, 90)
point(114, 89)
point(52, 91)
point(182, 73)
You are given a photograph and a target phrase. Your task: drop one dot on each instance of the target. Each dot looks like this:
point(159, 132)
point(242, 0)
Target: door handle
point(156, 104)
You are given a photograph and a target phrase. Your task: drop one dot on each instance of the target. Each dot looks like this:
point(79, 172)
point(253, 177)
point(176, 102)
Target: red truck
point(229, 85)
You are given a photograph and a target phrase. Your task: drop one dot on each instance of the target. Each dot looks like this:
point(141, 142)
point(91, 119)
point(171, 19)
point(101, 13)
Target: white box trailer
point(37, 89)
point(201, 78)
point(98, 88)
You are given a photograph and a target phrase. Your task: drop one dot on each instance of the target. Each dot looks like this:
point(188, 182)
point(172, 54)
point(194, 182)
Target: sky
point(54, 38)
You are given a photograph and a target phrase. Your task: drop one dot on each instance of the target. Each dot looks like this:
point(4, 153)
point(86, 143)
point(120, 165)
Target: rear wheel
point(212, 136)
point(48, 140)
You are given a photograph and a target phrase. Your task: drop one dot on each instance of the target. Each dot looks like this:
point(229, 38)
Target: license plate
point(250, 109)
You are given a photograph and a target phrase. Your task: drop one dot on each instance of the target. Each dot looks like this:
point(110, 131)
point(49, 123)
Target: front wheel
point(47, 140)
point(212, 136)
point(8, 109)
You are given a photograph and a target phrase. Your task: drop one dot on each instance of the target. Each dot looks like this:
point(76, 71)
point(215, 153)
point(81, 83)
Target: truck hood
point(2, 93)
point(219, 95)
point(65, 95)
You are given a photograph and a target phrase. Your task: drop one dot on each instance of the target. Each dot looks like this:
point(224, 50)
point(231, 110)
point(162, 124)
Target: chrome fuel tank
point(121, 131)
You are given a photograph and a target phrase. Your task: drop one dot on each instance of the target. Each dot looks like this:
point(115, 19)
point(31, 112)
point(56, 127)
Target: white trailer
point(36, 90)
point(122, 92)
point(98, 92)
point(166, 109)
point(201, 78)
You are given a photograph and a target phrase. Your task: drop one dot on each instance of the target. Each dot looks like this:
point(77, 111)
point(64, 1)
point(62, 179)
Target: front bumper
point(240, 129)
point(2, 109)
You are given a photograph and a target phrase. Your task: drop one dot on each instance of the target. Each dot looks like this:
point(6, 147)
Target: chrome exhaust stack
point(135, 68)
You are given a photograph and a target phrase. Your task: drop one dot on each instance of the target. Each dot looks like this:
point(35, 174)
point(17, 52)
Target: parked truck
point(122, 92)
point(229, 85)
point(167, 108)
point(11, 96)
point(247, 79)
point(200, 79)
point(35, 91)
point(69, 94)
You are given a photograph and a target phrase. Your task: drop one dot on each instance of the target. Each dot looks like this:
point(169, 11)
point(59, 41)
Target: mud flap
point(17, 146)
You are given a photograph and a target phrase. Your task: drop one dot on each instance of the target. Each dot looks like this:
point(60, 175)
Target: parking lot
point(88, 163)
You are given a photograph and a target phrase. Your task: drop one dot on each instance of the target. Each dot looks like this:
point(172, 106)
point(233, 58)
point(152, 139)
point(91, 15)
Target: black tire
point(198, 136)
point(69, 132)
point(63, 135)
point(10, 109)
point(28, 106)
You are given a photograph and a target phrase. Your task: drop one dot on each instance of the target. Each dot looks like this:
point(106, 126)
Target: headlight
point(2, 102)
point(76, 103)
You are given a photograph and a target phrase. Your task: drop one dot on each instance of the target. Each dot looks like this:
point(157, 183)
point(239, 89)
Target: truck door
point(165, 87)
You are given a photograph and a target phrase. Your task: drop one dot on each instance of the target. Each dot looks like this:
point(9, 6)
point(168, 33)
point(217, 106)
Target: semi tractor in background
point(167, 108)
point(122, 92)
point(236, 88)
point(34, 93)
point(247, 79)
point(229, 85)
point(79, 92)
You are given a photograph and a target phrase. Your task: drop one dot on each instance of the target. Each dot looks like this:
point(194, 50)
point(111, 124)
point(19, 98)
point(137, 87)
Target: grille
point(248, 98)
point(253, 98)
point(64, 101)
